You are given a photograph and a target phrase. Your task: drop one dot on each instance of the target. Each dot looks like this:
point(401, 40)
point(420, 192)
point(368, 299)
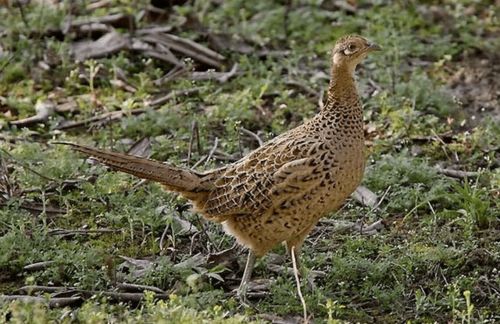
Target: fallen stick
point(457, 173)
point(51, 302)
point(221, 77)
point(48, 289)
point(276, 268)
point(64, 232)
point(44, 109)
point(253, 135)
point(124, 297)
point(174, 94)
point(135, 287)
point(38, 208)
point(38, 266)
point(116, 115)
point(344, 226)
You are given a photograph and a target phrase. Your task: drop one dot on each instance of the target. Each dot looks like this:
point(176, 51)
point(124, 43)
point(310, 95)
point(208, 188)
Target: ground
point(115, 249)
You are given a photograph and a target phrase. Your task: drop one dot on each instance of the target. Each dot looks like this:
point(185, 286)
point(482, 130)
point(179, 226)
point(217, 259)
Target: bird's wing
point(280, 169)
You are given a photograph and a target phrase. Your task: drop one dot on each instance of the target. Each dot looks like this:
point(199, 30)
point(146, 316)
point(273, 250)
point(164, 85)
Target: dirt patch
point(476, 84)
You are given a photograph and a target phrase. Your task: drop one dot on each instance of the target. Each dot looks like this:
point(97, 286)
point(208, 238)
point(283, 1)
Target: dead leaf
point(141, 148)
point(108, 44)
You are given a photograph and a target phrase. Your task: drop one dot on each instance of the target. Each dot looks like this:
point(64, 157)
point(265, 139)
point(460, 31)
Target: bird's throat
point(342, 92)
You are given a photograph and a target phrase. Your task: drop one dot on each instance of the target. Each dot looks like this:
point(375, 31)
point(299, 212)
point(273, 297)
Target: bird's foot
point(242, 295)
point(255, 290)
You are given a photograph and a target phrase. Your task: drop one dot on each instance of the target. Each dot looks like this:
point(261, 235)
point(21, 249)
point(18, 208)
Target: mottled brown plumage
point(278, 192)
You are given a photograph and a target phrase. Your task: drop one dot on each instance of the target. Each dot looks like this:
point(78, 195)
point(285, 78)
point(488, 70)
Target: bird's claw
point(241, 294)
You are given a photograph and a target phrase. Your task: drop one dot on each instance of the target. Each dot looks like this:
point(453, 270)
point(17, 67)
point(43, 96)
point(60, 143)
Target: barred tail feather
point(173, 178)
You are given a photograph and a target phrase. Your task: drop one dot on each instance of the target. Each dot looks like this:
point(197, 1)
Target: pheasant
point(278, 192)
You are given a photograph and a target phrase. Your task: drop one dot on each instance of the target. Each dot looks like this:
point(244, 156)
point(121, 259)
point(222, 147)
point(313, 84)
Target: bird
point(278, 192)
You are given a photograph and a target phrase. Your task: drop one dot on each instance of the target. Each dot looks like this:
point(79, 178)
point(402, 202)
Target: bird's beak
point(374, 47)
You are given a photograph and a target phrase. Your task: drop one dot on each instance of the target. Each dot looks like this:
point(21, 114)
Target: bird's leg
point(247, 274)
point(296, 250)
point(297, 281)
point(300, 266)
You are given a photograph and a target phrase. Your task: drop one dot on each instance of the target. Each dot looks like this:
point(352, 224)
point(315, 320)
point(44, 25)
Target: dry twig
point(194, 133)
point(344, 226)
point(44, 109)
point(211, 153)
point(253, 135)
point(37, 266)
point(134, 287)
point(117, 115)
point(65, 233)
point(280, 269)
point(221, 77)
point(52, 302)
point(457, 173)
point(46, 289)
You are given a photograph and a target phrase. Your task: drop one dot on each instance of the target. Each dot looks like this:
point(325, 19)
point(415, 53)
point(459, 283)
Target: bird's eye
point(351, 48)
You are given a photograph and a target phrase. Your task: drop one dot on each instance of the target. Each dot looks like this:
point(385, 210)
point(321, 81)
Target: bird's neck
point(343, 97)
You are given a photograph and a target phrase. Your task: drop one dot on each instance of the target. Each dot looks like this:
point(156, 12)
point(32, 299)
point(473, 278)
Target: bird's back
point(279, 191)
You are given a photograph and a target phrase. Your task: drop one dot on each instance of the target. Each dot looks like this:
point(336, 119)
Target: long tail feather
point(173, 178)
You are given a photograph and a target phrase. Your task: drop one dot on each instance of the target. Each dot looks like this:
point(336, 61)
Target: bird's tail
point(175, 179)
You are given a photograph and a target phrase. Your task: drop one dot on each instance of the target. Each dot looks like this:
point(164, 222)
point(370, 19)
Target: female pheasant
point(278, 192)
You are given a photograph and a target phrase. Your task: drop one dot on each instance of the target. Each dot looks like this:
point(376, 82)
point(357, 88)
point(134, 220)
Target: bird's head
point(350, 50)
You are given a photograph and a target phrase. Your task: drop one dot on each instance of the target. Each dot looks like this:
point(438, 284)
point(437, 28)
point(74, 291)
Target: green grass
point(435, 261)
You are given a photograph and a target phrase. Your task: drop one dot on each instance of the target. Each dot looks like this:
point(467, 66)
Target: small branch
point(23, 15)
point(123, 85)
point(381, 198)
point(457, 173)
point(134, 287)
point(64, 232)
point(200, 161)
point(344, 5)
point(37, 266)
point(163, 235)
point(7, 62)
point(344, 226)
point(52, 302)
point(225, 157)
point(446, 137)
point(176, 93)
point(190, 48)
point(173, 74)
point(253, 135)
point(276, 268)
point(116, 115)
point(370, 229)
point(127, 297)
point(38, 208)
point(44, 109)
point(194, 133)
point(221, 77)
point(216, 143)
point(25, 166)
point(305, 88)
point(48, 289)
point(99, 4)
